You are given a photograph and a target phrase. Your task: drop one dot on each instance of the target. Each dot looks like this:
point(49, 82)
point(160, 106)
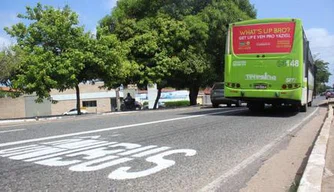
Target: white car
point(74, 112)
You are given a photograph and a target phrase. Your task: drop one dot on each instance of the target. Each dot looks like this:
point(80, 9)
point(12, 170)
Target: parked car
point(329, 93)
point(74, 112)
point(217, 96)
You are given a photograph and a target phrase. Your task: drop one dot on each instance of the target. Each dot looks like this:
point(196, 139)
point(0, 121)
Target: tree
point(9, 60)
point(322, 75)
point(185, 48)
point(58, 54)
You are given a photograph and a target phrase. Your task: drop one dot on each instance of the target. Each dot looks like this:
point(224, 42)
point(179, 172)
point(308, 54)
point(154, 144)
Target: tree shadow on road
point(279, 112)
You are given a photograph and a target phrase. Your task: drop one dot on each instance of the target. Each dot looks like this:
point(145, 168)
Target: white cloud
point(4, 42)
point(8, 19)
point(111, 3)
point(322, 43)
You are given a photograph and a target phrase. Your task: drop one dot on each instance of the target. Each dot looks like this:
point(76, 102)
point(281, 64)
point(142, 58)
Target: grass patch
point(177, 103)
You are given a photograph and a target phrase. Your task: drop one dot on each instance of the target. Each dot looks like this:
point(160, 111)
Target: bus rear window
point(263, 38)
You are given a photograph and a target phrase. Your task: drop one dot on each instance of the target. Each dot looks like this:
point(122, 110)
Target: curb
point(34, 119)
point(312, 176)
point(28, 120)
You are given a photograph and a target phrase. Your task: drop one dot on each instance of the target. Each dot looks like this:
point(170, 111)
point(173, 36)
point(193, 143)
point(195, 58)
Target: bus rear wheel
point(256, 106)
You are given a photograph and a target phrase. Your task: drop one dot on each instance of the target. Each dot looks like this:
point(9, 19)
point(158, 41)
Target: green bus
point(268, 61)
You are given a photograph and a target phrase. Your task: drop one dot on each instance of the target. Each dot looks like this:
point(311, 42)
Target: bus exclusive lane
point(204, 148)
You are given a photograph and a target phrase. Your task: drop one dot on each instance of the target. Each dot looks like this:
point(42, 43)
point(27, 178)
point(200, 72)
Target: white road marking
point(94, 164)
point(99, 154)
point(214, 186)
point(14, 130)
point(115, 135)
point(161, 163)
point(150, 152)
point(15, 151)
point(45, 151)
point(115, 128)
point(69, 152)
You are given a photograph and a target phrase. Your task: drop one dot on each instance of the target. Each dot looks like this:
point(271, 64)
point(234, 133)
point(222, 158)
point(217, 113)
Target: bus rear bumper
point(266, 96)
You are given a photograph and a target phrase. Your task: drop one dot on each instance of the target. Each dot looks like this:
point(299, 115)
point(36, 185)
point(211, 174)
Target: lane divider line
point(14, 130)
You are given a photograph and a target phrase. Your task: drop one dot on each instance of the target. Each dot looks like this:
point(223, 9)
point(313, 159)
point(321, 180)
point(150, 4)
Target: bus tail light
point(297, 85)
point(291, 86)
point(232, 85)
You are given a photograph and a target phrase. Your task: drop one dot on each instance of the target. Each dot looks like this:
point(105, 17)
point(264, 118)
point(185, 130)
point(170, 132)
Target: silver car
point(217, 96)
point(74, 112)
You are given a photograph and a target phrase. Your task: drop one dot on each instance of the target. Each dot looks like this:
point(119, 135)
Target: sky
point(317, 17)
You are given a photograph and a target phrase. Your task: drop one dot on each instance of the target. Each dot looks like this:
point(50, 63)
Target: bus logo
point(265, 76)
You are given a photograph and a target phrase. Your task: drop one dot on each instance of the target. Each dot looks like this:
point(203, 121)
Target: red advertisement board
point(263, 38)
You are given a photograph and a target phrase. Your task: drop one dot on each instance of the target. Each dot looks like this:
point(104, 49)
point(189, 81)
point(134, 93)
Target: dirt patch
point(283, 170)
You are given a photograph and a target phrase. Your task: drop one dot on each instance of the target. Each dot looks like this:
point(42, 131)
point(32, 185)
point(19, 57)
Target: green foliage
point(9, 60)
point(175, 43)
point(55, 49)
point(177, 103)
point(9, 94)
point(322, 75)
point(58, 54)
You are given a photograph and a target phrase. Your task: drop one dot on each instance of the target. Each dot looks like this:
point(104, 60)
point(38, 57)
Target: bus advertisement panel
point(263, 38)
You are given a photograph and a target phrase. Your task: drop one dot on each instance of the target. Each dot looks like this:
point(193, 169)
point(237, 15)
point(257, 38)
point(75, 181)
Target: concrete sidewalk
point(318, 174)
point(328, 176)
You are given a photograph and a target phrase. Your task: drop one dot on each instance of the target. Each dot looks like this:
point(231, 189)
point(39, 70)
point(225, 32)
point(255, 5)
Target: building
point(92, 98)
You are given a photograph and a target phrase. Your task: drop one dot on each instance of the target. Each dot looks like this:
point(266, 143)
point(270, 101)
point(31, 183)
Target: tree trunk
point(193, 92)
point(158, 97)
point(77, 90)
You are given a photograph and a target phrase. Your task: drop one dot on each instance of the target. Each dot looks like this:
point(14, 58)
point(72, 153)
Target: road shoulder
point(282, 170)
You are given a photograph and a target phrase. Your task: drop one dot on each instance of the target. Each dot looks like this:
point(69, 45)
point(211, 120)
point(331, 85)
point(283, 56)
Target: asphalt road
point(191, 149)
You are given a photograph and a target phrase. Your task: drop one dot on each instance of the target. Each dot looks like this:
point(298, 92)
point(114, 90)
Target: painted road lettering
point(161, 163)
point(84, 154)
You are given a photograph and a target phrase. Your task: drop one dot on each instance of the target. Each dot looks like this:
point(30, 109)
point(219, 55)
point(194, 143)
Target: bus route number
point(292, 63)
